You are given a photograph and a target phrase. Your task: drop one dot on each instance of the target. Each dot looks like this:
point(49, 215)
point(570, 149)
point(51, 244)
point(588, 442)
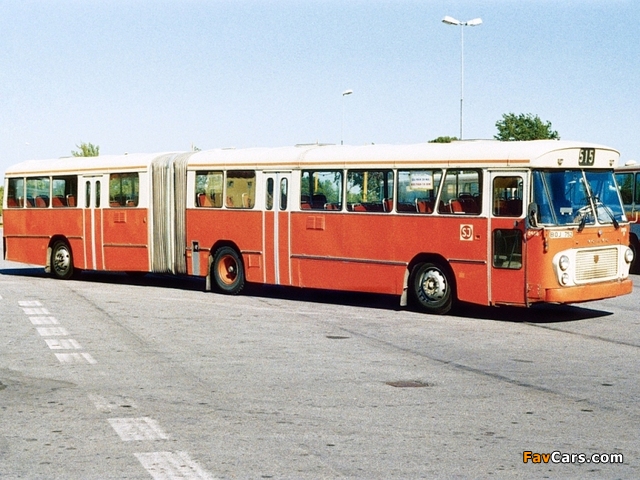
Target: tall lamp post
point(344, 94)
point(470, 23)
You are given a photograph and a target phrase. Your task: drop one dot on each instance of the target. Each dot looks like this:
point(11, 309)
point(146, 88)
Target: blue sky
point(151, 76)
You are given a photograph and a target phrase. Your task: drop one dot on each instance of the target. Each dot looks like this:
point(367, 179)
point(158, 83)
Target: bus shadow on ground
point(538, 314)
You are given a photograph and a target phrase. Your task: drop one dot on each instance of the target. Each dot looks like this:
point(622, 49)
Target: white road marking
point(29, 303)
point(172, 466)
point(52, 331)
point(144, 428)
point(63, 344)
point(36, 311)
point(75, 358)
point(44, 320)
point(115, 402)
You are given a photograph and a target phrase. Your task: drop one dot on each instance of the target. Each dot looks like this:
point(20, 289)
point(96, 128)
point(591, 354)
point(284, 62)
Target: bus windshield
point(568, 197)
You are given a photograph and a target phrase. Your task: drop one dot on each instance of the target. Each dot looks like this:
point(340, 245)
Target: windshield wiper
point(616, 225)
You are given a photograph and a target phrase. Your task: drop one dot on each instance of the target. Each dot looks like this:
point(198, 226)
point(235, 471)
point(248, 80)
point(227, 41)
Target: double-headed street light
point(471, 23)
point(344, 94)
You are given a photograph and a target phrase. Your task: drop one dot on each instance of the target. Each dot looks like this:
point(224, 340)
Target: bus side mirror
point(531, 220)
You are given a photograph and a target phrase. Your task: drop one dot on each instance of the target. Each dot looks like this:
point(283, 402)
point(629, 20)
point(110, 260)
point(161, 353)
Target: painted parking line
point(130, 429)
point(172, 466)
point(29, 303)
point(75, 358)
point(35, 311)
point(44, 320)
point(52, 331)
point(62, 344)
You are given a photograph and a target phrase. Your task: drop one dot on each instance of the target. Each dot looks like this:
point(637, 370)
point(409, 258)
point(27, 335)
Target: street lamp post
point(471, 23)
point(344, 94)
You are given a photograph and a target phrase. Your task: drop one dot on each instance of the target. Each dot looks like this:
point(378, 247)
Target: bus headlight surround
point(628, 255)
point(563, 263)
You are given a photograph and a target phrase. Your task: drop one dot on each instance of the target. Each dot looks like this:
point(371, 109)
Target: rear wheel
point(227, 271)
point(61, 260)
point(431, 287)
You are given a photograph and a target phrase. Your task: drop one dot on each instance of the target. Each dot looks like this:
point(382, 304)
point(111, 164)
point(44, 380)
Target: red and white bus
point(628, 178)
point(485, 222)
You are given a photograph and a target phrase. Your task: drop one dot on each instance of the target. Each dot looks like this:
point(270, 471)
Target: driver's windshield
point(567, 197)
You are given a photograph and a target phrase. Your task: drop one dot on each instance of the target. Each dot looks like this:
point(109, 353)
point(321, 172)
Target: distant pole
point(471, 23)
point(344, 94)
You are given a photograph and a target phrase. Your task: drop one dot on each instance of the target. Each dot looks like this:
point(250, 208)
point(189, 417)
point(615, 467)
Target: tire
point(431, 288)
point(635, 265)
point(61, 260)
point(227, 271)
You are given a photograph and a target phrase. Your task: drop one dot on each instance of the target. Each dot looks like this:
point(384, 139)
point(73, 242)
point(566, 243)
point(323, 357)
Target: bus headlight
point(628, 255)
point(563, 263)
point(565, 278)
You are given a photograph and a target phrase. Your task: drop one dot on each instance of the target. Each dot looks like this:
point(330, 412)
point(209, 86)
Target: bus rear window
point(15, 193)
point(241, 189)
point(124, 189)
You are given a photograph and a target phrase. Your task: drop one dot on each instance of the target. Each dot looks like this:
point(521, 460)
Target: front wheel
point(431, 288)
point(227, 271)
point(61, 260)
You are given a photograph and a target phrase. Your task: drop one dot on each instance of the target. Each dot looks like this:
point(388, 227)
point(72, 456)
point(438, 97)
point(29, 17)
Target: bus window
point(417, 190)
point(124, 189)
point(64, 191)
point(283, 193)
point(321, 190)
point(507, 249)
point(370, 190)
point(507, 196)
point(38, 192)
point(461, 192)
point(15, 193)
point(241, 188)
point(637, 195)
point(269, 199)
point(209, 189)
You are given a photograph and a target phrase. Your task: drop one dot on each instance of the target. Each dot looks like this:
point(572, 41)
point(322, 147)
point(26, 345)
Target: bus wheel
point(431, 288)
point(227, 271)
point(61, 260)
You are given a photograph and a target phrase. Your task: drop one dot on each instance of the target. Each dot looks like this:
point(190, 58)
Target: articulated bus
point(628, 178)
point(484, 222)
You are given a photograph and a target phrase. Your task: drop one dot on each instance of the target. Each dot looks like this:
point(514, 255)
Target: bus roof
point(468, 153)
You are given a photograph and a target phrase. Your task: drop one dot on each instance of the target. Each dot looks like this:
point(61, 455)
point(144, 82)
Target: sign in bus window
point(15, 193)
point(38, 192)
point(64, 190)
point(370, 190)
point(461, 192)
point(507, 249)
point(241, 189)
point(321, 190)
point(417, 190)
point(507, 196)
point(209, 189)
point(124, 189)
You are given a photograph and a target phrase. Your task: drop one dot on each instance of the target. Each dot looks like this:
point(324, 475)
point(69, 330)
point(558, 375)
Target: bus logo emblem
point(466, 232)
point(596, 258)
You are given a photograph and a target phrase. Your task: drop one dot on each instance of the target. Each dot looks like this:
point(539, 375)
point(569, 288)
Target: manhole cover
point(409, 384)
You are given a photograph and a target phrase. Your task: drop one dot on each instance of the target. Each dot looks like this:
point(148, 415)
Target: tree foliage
point(86, 150)
point(524, 127)
point(443, 140)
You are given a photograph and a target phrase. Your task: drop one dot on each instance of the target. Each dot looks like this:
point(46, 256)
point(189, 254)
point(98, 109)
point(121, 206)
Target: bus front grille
point(596, 264)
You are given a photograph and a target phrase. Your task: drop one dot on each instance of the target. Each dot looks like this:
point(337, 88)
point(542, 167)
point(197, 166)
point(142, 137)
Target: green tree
point(443, 140)
point(86, 150)
point(524, 127)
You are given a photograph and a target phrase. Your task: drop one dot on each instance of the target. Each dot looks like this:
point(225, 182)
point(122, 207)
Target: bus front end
point(578, 237)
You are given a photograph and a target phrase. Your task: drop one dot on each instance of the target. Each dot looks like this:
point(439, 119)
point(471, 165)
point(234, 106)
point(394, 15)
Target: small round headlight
point(563, 263)
point(565, 278)
point(628, 255)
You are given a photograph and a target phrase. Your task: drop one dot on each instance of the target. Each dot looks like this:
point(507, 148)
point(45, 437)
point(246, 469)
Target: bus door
point(277, 238)
point(92, 223)
point(506, 233)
